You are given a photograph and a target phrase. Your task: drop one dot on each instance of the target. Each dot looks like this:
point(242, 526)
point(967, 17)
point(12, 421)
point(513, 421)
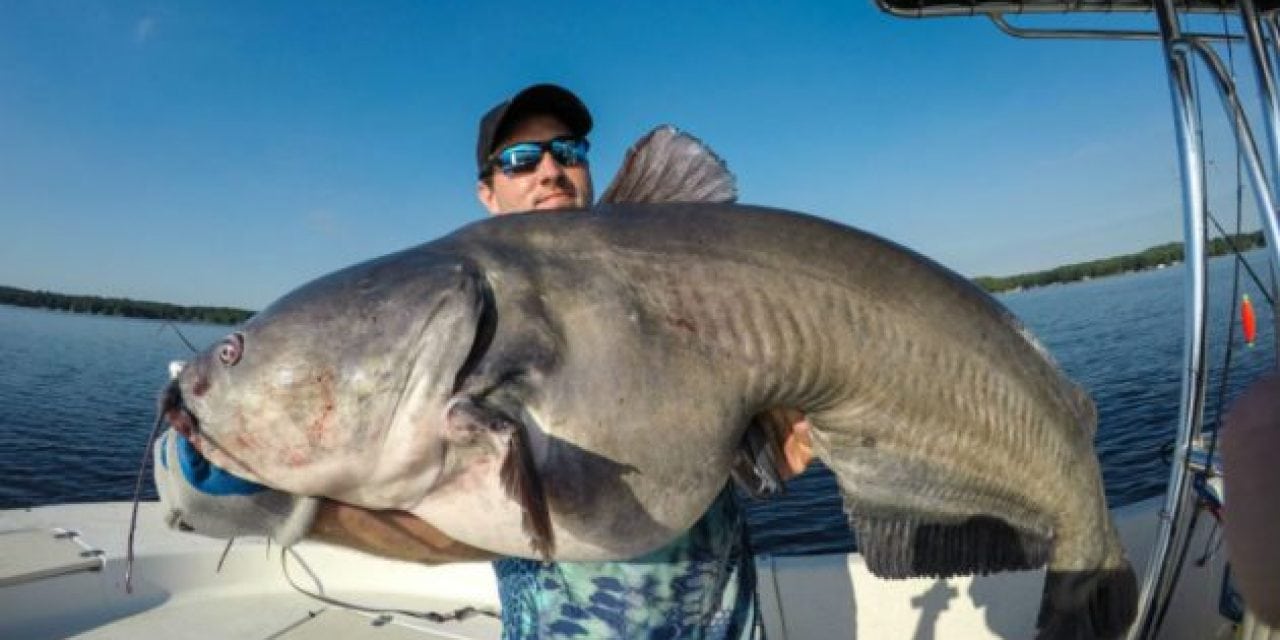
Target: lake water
point(78, 393)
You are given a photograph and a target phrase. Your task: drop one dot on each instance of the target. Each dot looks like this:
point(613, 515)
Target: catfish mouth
point(176, 413)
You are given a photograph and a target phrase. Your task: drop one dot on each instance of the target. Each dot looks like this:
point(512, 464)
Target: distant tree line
point(123, 307)
point(1161, 255)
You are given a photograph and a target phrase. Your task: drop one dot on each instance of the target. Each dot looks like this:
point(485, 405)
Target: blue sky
point(226, 152)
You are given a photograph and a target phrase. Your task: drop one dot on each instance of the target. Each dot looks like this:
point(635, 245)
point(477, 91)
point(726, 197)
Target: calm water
point(77, 395)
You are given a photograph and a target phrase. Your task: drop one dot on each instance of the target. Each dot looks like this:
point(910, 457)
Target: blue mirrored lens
point(569, 151)
point(524, 156)
point(519, 157)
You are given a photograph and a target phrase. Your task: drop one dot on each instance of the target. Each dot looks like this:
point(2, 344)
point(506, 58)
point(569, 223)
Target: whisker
point(225, 551)
point(137, 498)
point(184, 338)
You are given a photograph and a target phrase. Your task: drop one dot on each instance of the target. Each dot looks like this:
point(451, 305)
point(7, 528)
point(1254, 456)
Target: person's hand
point(791, 432)
point(199, 497)
point(1250, 443)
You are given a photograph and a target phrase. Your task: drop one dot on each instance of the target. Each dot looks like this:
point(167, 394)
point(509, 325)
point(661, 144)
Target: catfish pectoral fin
point(522, 483)
point(471, 422)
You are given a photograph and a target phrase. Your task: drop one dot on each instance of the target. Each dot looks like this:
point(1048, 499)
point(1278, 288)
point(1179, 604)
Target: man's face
point(548, 187)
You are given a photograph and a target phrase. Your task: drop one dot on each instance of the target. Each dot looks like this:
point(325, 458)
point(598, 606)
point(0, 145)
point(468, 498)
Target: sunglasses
point(522, 157)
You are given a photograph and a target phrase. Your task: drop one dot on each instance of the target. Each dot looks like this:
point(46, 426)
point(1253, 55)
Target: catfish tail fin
point(1088, 605)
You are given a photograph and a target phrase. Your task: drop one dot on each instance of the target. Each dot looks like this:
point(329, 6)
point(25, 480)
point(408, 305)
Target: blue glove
point(200, 497)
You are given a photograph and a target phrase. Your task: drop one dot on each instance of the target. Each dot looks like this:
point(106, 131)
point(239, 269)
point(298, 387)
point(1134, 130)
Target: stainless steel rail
point(1094, 34)
point(1158, 582)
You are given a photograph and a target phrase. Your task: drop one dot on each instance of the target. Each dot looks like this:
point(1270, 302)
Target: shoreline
point(120, 307)
point(1150, 259)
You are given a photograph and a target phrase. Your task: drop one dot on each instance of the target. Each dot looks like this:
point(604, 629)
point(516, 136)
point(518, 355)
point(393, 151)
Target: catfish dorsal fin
point(668, 165)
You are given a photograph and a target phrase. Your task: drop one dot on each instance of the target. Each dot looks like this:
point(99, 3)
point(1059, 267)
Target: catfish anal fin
point(907, 548)
point(471, 422)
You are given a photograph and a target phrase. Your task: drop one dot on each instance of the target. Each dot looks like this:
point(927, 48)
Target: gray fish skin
point(631, 345)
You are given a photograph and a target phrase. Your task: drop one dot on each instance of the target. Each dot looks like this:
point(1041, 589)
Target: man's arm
point(398, 535)
point(1250, 440)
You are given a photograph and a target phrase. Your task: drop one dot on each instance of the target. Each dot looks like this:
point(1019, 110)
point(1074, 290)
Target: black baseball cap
point(547, 99)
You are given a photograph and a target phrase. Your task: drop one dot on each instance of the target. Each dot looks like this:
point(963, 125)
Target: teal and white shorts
point(699, 587)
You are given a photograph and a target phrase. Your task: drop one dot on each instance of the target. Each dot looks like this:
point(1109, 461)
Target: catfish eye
point(231, 349)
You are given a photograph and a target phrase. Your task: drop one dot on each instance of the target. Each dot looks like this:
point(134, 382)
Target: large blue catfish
point(579, 386)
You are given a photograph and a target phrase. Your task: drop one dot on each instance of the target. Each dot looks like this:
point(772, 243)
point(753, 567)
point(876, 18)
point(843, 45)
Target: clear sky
point(226, 152)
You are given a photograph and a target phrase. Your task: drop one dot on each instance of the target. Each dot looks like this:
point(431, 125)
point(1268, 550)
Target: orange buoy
point(1248, 321)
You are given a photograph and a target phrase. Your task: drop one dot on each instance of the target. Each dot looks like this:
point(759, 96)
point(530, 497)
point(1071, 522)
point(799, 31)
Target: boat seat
point(33, 554)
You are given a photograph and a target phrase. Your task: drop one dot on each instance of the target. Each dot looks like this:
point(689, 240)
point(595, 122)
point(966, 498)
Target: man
point(532, 156)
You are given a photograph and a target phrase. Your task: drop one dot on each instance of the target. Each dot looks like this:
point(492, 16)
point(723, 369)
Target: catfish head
point(338, 389)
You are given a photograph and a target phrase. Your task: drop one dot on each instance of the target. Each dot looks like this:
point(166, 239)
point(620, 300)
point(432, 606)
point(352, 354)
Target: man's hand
point(791, 431)
point(200, 497)
point(776, 447)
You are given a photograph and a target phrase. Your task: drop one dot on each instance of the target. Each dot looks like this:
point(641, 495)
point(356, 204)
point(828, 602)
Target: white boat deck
point(178, 593)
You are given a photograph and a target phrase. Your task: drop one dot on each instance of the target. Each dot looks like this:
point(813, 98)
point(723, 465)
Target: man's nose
point(548, 168)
